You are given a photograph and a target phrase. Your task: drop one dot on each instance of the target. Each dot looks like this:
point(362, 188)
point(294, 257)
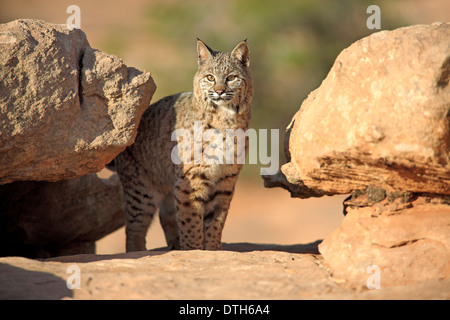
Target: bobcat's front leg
point(191, 194)
point(217, 209)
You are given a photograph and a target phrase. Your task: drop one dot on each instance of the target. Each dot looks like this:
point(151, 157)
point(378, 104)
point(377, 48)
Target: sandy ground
point(240, 271)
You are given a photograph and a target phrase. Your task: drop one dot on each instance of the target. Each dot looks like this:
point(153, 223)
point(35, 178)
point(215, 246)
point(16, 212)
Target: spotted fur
point(193, 199)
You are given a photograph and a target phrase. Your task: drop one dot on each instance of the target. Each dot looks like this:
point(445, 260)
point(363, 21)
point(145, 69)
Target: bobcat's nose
point(220, 92)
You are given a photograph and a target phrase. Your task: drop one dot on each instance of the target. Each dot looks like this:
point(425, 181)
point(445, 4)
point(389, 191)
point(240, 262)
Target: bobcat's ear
point(204, 52)
point(242, 53)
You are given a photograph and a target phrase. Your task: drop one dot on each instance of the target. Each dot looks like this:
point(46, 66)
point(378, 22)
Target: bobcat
point(193, 198)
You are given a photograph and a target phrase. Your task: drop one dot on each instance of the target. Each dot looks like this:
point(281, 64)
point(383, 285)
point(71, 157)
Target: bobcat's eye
point(231, 78)
point(210, 77)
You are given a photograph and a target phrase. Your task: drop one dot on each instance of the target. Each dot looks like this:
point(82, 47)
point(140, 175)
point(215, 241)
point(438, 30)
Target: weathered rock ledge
point(40, 219)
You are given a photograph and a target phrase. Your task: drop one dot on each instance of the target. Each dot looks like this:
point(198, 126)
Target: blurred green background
point(293, 42)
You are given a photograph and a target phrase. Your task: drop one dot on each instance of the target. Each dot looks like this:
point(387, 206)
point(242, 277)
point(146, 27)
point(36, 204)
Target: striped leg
point(168, 219)
point(190, 220)
point(192, 191)
point(217, 212)
point(141, 205)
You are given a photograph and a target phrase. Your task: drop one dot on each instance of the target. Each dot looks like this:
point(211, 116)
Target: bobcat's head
point(223, 79)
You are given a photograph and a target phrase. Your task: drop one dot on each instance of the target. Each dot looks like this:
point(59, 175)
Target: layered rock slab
point(66, 110)
point(405, 240)
point(40, 219)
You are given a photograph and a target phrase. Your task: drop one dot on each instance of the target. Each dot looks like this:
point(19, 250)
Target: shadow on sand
point(309, 248)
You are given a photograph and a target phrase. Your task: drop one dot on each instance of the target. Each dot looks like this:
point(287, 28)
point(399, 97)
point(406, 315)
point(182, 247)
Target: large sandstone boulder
point(381, 117)
point(66, 109)
point(379, 127)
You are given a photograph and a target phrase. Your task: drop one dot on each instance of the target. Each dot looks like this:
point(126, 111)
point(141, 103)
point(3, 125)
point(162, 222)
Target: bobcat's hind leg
point(141, 205)
point(168, 219)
